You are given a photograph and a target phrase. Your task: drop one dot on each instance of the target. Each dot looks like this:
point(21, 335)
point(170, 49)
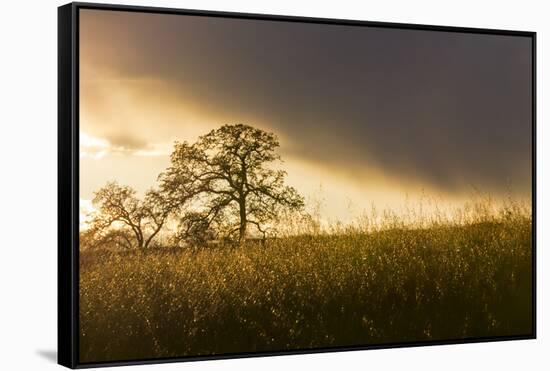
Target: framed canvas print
point(235, 185)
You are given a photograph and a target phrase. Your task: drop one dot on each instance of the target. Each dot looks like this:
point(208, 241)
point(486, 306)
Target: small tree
point(195, 229)
point(228, 175)
point(121, 214)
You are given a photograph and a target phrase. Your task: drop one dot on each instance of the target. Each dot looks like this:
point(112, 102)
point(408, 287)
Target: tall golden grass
point(377, 281)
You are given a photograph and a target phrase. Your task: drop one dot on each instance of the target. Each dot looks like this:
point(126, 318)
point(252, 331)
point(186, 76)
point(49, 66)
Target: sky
point(366, 116)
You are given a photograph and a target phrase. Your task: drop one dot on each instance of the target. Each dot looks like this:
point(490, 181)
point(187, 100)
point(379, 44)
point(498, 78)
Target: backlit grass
point(351, 286)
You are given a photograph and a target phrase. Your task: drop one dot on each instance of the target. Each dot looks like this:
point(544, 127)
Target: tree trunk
point(139, 238)
point(242, 227)
point(242, 201)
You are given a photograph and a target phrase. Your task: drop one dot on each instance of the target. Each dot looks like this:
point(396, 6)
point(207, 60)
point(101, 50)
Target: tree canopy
point(137, 221)
point(228, 180)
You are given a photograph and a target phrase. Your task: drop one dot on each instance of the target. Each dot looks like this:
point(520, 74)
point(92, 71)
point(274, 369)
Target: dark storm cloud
point(449, 109)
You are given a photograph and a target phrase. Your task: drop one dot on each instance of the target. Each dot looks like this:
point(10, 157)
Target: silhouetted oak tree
point(228, 179)
point(118, 206)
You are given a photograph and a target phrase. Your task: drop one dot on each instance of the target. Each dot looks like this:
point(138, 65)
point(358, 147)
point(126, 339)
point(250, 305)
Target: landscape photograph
point(263, 186)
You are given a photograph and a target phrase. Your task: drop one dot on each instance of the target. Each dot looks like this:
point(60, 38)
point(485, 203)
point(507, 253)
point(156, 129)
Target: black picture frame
point(68, 178)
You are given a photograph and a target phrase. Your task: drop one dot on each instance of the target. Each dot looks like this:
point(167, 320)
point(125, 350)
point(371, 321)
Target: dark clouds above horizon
point(451, 110)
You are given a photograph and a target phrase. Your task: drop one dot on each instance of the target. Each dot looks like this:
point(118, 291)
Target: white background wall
point(28, 151)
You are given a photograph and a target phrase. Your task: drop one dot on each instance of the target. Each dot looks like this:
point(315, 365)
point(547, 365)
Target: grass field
point(351, 286)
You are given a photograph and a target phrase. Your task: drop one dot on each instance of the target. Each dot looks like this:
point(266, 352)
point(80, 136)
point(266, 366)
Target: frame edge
point(66, 259)
point(299, 19)
point(68, 132)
